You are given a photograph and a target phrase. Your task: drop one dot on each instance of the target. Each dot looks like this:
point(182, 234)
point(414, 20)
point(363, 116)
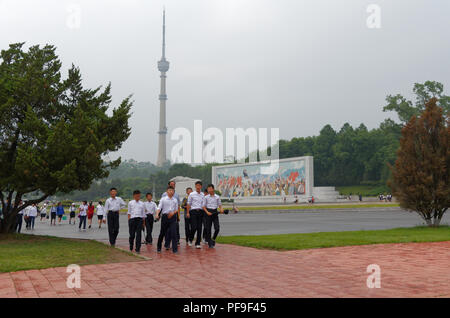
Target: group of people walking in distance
point(201, 209)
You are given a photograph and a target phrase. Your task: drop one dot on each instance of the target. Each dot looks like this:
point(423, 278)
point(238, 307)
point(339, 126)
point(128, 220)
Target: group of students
point(86, 211)
point(200, 211)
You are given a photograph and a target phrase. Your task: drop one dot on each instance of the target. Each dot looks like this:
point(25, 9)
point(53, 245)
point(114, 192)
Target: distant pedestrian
point(19, 220)
point(113, 206)
point(60, 212)
point(90, 213)
point(53, 214)
point(43, 212)
point(100, 214)
point(83, 215)
point(72, 211)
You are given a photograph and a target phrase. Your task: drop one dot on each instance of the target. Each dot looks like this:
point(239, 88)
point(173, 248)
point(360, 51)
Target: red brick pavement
point(407, 270)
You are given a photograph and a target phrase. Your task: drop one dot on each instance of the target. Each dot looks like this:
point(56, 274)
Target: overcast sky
point(296, 65)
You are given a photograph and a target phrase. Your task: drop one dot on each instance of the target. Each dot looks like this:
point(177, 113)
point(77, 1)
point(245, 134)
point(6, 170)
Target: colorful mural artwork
point(248, 180)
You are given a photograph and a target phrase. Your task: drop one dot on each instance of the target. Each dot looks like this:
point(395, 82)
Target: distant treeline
point(350, 156)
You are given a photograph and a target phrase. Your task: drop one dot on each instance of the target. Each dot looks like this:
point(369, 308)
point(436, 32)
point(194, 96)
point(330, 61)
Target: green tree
point(421, 175)
point(54, 132)
point(405, 109)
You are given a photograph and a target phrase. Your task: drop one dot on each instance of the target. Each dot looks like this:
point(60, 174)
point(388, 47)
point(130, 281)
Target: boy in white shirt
point(136, 216)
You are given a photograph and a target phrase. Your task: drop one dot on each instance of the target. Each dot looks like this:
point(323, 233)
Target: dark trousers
point(113, 226)
point(135, 228)
point(31, 220)
point(177, 233)
point(210, 220)
point(19, 222)
point(196, 225)
point(216, 224)
point(187, 228)
point(168, 226)
point(82, 221)
point(149, 227)
point(204, 227)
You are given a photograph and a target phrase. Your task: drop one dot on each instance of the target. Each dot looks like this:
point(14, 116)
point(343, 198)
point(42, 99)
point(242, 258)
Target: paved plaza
point(407, 270)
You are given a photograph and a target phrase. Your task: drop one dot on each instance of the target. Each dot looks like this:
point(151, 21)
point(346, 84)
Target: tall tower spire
point(163, 67)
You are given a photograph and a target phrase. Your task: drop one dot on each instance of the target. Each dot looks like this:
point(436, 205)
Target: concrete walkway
point(407, 270)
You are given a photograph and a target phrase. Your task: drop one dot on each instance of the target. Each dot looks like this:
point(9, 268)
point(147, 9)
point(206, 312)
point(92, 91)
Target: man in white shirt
point(136, 216)
point(168, 207)
point(150, 209)
point(194, 212)
point(112, 207)
point(32, 214)
point(176, 196)
point(211, 205)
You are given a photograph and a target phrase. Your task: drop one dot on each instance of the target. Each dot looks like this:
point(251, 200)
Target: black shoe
point(158, 251)
point(131, 248)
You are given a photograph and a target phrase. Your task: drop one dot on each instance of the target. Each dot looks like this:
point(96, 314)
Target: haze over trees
point(54, 133)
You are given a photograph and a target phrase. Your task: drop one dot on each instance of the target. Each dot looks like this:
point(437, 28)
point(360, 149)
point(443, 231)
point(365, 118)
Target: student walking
point(205, 192)
point(100, 214)
point(150, 209)
point(33, 215)
point(53, 215)
point(168, 207)
point(72, 210)
point(19, 221)
point(90, 213)
point(60, 212)
point(83, 215)
point(26, 217)
point(136, 216)
point(113, 206)
point(176, 196)
point(211, 206)
point(195, 213)
point(43, 212)
point(187, 221)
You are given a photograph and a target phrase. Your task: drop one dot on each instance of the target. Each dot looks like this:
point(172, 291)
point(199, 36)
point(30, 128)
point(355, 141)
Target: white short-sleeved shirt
point(168, 205)
point(136, 209)
point(150, 207)
point(83, 210)
point(195, 200)
point(100, 210)
point(114, 204)
point(32, 211)
point(212, 201)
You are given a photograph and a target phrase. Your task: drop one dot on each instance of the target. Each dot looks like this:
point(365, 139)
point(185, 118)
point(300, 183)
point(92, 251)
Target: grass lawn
point(333, 239)
point(316, 206)
point(23, 252)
